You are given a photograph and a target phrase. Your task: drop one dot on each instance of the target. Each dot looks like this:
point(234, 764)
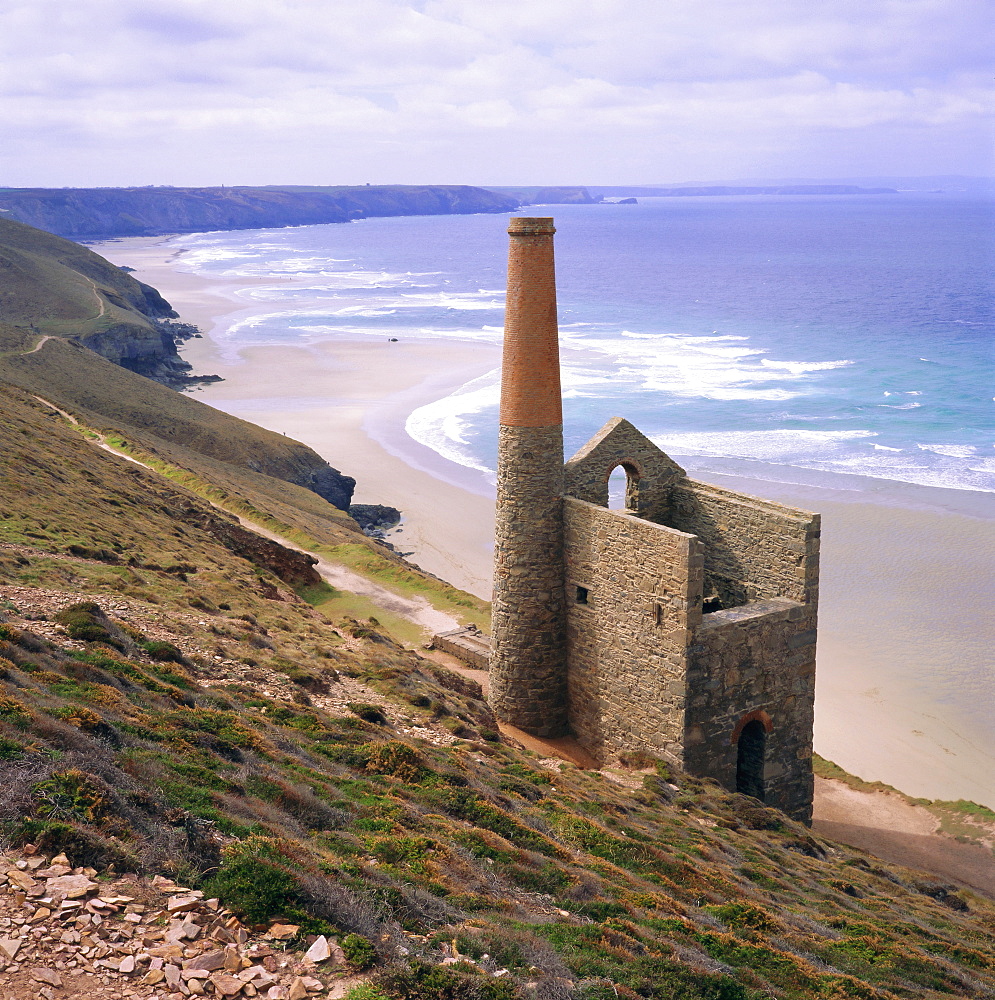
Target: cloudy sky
point(115, 92)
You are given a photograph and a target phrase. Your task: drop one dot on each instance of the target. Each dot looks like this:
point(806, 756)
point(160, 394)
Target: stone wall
point(633, 592)
point(755, 662)
point(469, 645)
point(754, 549)
point(528, 659)
point(650, 473)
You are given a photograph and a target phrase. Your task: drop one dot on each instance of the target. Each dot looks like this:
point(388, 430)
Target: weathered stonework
point(528, 662)
point(467, 644)
point(632, 588)
point(684, 624)
point(759, 658)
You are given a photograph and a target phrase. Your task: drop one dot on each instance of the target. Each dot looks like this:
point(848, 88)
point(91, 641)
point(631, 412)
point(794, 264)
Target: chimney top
point(523, 226)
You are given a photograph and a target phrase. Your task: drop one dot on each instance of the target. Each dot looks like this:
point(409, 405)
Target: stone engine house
point(683, 624)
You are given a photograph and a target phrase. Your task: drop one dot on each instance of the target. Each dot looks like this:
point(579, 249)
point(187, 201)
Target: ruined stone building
point(683, 624)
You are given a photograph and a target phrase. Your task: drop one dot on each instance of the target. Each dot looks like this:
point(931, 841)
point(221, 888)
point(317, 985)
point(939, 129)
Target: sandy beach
point(906, 569)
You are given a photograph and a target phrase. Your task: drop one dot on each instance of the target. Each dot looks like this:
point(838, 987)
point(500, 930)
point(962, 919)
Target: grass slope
point(52, 286)
point(191, 433)
point(168, 705)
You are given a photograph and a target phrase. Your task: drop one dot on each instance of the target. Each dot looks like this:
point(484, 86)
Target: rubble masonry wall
point(753, 659)
point(627, 644)
point(754, 549)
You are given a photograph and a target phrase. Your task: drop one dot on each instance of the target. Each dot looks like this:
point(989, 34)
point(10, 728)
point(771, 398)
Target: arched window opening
point(622, 488)
point(750, 760)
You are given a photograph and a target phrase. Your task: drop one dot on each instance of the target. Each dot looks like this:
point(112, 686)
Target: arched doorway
point(752, 751)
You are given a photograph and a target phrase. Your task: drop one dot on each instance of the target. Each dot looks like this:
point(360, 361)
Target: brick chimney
point(528, 662)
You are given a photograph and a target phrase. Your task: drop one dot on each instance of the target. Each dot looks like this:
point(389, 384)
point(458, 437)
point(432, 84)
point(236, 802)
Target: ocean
point(797, 337)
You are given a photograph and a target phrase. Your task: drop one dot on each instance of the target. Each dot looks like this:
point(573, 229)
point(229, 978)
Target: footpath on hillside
point(415, 609)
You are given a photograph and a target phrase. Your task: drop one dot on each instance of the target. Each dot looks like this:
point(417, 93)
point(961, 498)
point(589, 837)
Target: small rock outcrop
point(374, 518)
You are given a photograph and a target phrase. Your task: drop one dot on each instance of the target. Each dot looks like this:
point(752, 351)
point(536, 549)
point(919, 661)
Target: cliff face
point(550, 195)
point(89, 213)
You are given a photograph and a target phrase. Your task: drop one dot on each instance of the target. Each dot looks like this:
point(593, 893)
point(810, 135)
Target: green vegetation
point(307, 767)
point(53, 287)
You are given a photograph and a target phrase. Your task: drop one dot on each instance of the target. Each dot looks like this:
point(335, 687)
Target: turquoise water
point(828, 334)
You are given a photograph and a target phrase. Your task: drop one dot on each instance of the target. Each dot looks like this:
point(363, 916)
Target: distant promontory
point(99, 213)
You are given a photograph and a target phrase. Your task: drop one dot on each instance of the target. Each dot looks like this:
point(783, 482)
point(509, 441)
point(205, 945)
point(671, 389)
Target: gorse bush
point(163, 652)
point(358, 950)
point(86, 622)
point(368, 712)
point(420, 981)
point(255, 881)
point(13, 711)
point(396, 759)
point(70, 795)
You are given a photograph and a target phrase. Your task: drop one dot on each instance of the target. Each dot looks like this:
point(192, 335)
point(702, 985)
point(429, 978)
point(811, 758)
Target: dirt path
point(101, 304)
point(899, 831)
point(41, 343)
point(415, 609)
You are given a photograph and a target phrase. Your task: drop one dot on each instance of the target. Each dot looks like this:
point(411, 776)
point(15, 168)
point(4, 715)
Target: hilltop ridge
point(92, 213)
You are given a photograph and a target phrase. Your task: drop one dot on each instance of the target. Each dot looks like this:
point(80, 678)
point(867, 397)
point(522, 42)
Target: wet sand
point(906, 692)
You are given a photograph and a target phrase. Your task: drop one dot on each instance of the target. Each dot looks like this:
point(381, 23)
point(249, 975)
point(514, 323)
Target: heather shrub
point(162, 651)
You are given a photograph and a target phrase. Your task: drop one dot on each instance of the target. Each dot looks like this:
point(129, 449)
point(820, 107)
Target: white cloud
point(473, 89)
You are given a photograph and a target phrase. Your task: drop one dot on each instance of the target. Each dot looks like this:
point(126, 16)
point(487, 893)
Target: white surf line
point(416, 609)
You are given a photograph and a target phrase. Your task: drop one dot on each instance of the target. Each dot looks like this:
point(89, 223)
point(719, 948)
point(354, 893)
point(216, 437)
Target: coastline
point(901, 600)
point(352, 412)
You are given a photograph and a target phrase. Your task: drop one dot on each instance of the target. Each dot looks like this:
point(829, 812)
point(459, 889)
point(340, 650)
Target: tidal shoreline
point(903, 605)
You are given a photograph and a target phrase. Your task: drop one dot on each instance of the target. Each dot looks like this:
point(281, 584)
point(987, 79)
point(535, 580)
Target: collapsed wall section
point(755, 663)
point(633, 593)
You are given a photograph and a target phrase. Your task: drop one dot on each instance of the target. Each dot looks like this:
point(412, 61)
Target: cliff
point(91, 213)
point(562, 195)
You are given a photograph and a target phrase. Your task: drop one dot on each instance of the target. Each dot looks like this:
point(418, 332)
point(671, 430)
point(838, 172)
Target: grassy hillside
point(112, 397)
point(171, 700)
point(50, 282)
point(53, 287)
